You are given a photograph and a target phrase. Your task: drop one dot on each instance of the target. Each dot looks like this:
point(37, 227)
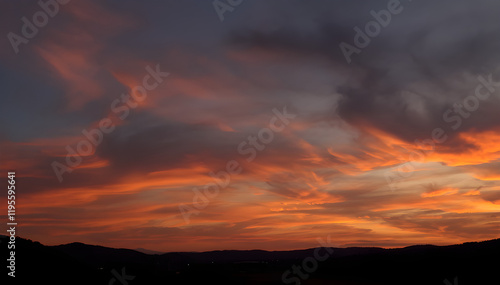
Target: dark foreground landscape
point(78, 263)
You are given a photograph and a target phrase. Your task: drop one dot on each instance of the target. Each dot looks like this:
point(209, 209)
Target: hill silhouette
point(78, 263)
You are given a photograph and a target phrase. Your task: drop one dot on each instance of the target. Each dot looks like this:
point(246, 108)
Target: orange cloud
point(441, 192)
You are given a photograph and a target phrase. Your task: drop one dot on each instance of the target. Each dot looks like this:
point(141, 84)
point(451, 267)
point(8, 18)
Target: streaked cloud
point(325, 174)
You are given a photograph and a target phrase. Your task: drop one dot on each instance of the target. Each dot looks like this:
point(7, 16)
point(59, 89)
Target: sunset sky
point(399, 146)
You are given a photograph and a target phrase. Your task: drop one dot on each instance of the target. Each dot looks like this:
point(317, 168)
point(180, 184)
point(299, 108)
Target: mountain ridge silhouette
point(471, 262)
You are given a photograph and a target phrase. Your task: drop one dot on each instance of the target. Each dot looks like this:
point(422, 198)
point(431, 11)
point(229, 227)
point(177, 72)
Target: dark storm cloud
point(424, 51)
